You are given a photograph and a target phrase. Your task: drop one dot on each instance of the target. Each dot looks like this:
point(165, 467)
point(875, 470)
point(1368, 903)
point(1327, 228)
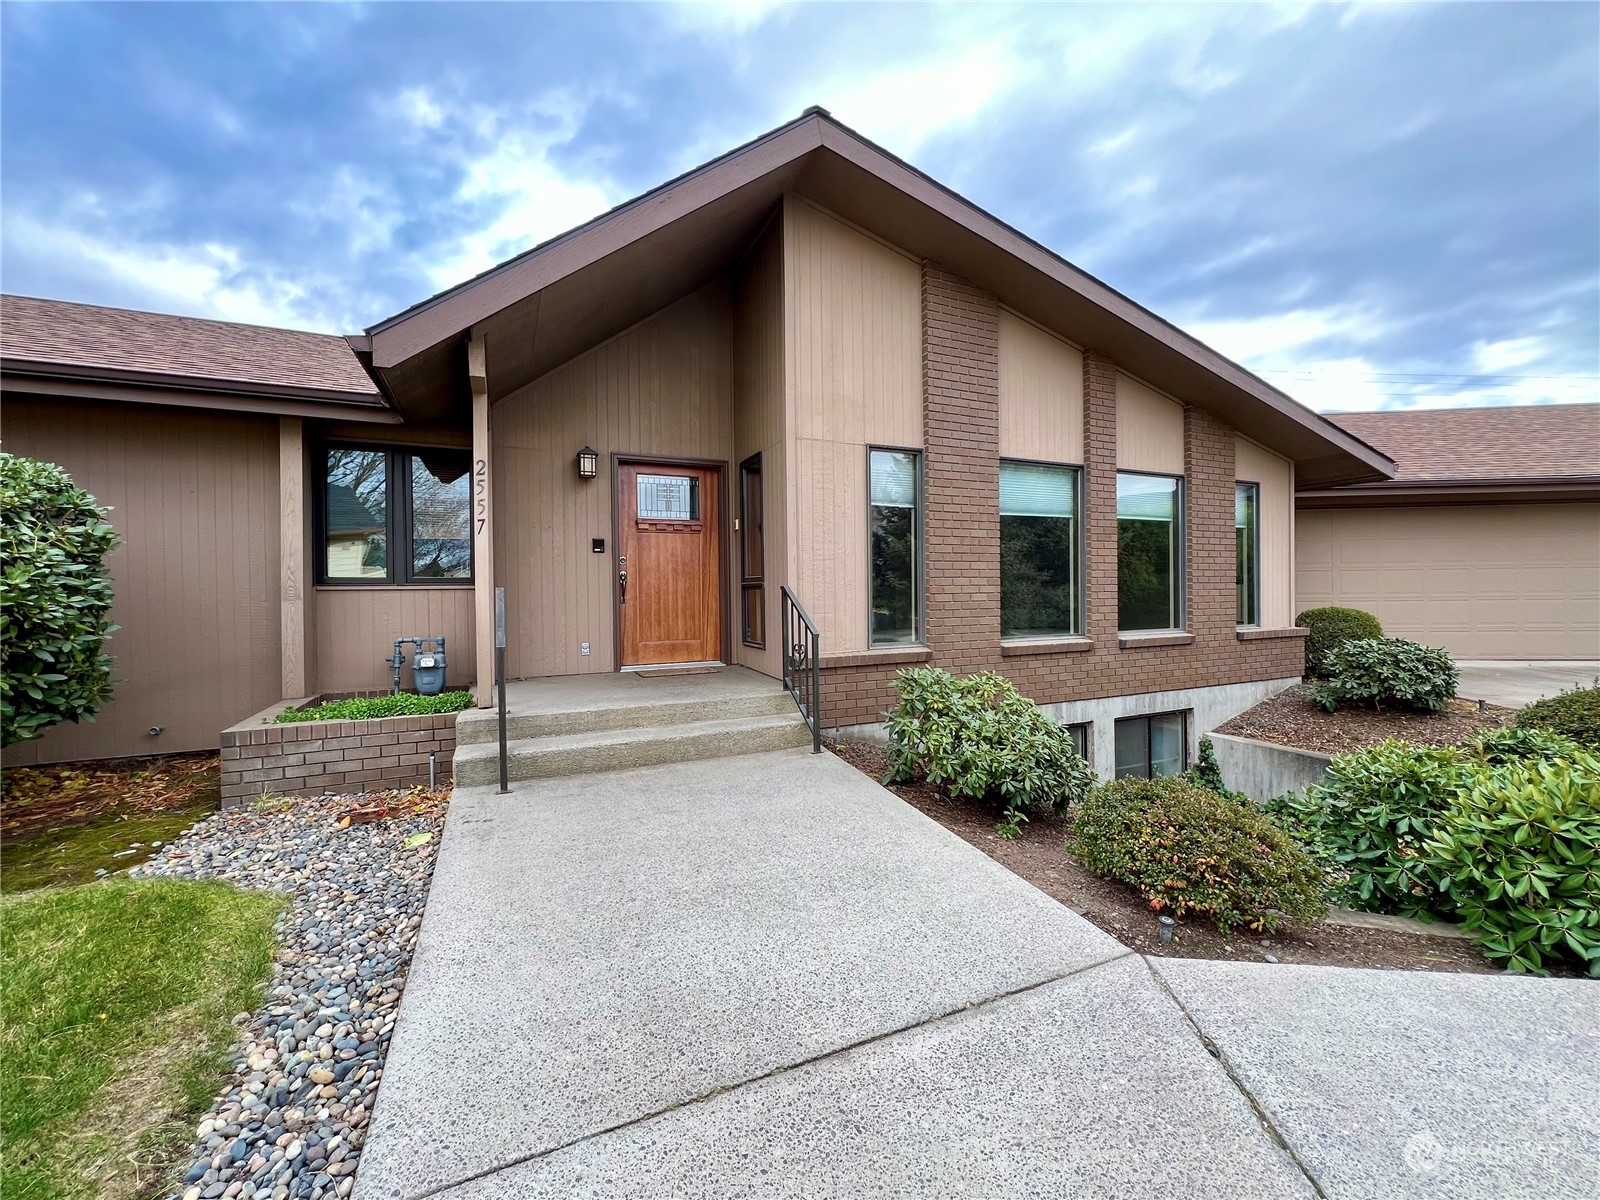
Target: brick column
point(961, 432)
point(1208, 448)
point(1100, 492)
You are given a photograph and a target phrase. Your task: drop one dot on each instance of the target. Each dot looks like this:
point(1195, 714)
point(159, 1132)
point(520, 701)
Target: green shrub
point(1390, 672)
point(368, 708)
point(1188, 851)
point(1370, 820)
point(1574, 714)
point(1206, 772)
point(1520, 854)
point(55, 600)
point(1497, 747)
point(1329, 629)
point(983, 740)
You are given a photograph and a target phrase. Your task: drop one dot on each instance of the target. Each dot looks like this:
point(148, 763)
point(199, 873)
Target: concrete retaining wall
point(307, 758)
point(1265, 771)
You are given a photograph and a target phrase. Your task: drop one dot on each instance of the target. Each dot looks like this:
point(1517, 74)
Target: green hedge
point(55, 600)
point(1329, 629)
point(1574, 714)
point(983, 740)
point(1189, 851)
point(369, 708)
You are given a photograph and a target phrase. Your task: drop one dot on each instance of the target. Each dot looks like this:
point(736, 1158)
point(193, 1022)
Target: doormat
point(657, 674)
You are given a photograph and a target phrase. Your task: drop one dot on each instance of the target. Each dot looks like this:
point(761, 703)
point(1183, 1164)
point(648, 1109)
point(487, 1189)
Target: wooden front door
point(669, 563)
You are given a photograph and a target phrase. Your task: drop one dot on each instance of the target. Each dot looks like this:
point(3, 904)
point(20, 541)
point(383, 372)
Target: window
point(668, 497)
point(1247, 574)
point(894, 526)
point(395, 516)
point(752, 590)
point(1149, 747)
point(1039, 573)
point(1080, 739)
point(1149, 546)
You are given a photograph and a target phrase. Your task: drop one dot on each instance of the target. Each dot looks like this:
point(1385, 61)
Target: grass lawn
point(116, 1006)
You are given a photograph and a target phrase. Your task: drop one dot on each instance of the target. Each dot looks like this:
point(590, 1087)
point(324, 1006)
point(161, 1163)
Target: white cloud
point(1275, 341)
point(723, 16)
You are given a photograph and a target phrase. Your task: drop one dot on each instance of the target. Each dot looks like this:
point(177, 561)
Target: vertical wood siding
point(1041, 394)
point(853, 317)
point(1149, 429)
point(660, 388)
point(1257, 464)
point(758, 428)
point(356, 628)
point(195, 499)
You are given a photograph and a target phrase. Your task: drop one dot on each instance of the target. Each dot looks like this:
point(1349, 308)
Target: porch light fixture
point(588, 463)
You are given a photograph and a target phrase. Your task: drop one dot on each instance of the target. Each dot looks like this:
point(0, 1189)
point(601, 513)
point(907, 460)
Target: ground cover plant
point(983, 740)
point(367, 708)
point(1574, 714)
point(115, 1007)
point(55, 600)
point(1331, 627)
point(1384, 673)
point(1190, 851)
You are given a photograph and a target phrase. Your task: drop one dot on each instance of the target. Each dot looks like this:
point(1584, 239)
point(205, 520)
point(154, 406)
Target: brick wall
point(307, 758)
point(962, 551)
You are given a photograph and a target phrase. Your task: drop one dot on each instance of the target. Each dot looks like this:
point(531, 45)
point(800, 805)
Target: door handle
point(622, 580)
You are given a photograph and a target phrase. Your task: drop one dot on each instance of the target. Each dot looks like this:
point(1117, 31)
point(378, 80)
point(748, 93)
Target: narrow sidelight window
point(894, 528)
point(752, 553)
point(1148, 747)
point(395, 516)
point(1247, 574)
point(1040, 578)
point(1080, 739)
point(1149, 552)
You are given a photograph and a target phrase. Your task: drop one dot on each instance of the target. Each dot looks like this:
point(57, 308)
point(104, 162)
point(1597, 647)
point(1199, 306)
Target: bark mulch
point(1291, 719)
point(1040, 857)
point(35, 799)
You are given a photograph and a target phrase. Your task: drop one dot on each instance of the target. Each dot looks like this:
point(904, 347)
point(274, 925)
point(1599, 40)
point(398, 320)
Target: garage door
point(1484, 581)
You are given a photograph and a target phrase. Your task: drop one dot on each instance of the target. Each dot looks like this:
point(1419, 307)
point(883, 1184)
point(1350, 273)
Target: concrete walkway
point(767, 976)
point(1516, 684)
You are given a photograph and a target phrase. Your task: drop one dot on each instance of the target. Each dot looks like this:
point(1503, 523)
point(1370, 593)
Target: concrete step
point(642, 746)
point(478, 725)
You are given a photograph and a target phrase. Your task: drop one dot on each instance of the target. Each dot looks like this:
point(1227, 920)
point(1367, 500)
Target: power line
point(1570, 377)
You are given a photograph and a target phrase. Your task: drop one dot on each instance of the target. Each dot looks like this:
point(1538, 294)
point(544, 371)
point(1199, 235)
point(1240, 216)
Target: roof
point(562, 297)
point(61, 338)
point(1530, 442)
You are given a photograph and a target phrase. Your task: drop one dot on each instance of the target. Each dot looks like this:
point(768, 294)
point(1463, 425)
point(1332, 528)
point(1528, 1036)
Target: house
point(1485, 542)
point(804, 365)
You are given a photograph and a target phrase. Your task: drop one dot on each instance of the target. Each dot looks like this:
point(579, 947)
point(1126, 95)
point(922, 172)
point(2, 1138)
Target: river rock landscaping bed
point(291, 1123)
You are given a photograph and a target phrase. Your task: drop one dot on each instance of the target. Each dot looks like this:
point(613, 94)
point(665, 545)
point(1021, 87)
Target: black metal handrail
point(802, 663)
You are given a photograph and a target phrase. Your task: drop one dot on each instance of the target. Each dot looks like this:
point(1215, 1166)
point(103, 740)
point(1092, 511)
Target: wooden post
point(294, 566)
point(482, 523)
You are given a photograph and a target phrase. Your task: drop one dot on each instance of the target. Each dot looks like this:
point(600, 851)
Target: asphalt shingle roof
point(61, 333)
point(1516, 442)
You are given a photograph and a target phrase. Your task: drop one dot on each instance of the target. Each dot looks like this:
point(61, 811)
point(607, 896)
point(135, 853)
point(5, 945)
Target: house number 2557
point(480, 494)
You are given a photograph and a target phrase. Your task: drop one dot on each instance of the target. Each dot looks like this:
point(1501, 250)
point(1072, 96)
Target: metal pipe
point(500, 676)
point(433, 770)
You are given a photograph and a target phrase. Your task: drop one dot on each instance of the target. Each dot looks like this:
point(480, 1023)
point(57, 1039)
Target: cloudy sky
point(1373, 206)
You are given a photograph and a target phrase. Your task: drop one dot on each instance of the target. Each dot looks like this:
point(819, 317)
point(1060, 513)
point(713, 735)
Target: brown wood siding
point(195, 499)
point(758, 428)
point(854, 357)
point(1149, 429)
point(1041, 394)
point(1276, 477)
point(662, 388)
point(356, 628)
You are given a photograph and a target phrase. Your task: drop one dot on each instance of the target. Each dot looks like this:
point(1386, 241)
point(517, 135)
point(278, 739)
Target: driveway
point(767, 976)
point(1515, 684)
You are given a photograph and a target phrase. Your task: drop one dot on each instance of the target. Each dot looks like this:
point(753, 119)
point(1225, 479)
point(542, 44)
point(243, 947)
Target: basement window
point(392, 516)
point(1150, 747)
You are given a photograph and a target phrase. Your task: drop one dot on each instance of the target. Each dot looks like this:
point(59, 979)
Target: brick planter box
point(312, 757)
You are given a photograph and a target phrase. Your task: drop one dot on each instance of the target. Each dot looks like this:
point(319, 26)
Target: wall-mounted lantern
point(588, 463)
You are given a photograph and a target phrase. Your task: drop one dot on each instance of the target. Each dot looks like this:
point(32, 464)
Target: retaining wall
point(307, 758)
point(1265, 771)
